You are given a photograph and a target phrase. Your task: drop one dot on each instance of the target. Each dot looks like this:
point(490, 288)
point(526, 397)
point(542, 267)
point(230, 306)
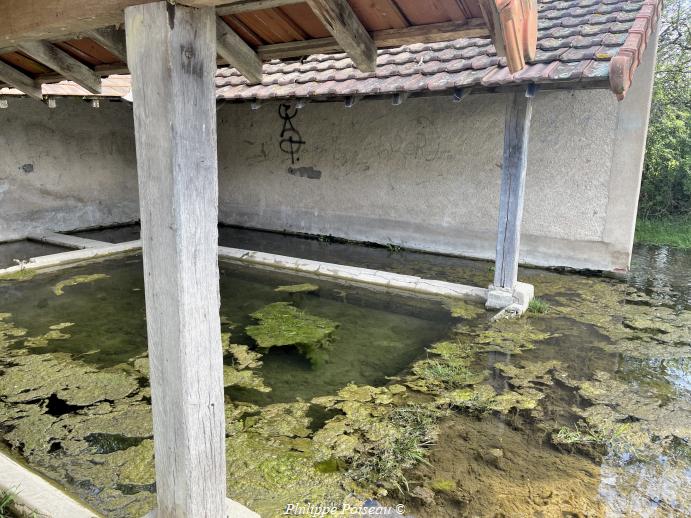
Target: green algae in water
point(466, 310)
point(282, 324)
point(101, 447)
point(58, 289)
point(306, 287)
point(271, 464)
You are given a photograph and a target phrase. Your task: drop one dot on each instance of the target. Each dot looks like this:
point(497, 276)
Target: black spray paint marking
point(305, 172)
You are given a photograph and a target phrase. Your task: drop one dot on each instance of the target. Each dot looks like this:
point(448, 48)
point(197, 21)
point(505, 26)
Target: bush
point(666, 184)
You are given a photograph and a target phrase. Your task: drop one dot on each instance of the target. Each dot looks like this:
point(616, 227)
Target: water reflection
point(662, 272)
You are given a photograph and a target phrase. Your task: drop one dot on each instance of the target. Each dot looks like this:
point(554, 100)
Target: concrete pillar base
point(517, 299)
point(233, 510)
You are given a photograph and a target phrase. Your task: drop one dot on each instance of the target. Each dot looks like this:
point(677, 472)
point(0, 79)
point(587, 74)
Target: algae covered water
point(335, 394)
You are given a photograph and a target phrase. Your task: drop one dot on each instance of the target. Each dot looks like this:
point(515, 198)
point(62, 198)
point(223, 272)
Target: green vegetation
point(307, 287)
point(282, 324)
point(538, 306)
point(665, 200)
point(6, 499)
point(412, 429)
point(58, 289)
point(672, 230)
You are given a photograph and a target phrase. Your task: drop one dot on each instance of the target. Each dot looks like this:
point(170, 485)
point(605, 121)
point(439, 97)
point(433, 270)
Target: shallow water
point(378, 335)
point(586, 409)
point(663, 272)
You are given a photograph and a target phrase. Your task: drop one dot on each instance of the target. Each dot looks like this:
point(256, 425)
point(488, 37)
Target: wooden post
point(171, 51)
point(514, 165)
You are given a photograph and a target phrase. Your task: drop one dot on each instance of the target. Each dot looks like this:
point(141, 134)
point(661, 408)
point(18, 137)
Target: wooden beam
point(171, 51)
point(112, 39)
point(20, 81)
point(244, 6)
point(237, 53)
point(446, 31)
point(516, 132)
point(23, 20)
point(60, 61)
point(343, 24)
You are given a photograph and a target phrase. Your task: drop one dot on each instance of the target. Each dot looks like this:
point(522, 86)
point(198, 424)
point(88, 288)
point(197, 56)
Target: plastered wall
point(69, 167)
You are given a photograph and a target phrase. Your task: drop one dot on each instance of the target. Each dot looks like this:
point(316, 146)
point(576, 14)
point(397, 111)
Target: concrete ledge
point(34, 496)
point(66, 240)
point(63, 258)
point(355, 274)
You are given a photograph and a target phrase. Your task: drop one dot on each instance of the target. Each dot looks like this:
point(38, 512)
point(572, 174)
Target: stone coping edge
point(73, 256)
point(387, 280)
point(35, 496)
point(355, 274)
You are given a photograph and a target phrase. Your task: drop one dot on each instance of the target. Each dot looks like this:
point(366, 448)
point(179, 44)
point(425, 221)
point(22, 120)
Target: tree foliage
point(666, 186)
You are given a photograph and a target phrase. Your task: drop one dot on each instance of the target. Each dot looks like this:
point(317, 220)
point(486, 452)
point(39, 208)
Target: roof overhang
point(81, 40)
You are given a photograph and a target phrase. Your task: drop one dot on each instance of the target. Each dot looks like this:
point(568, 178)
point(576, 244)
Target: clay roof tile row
point(578, 41)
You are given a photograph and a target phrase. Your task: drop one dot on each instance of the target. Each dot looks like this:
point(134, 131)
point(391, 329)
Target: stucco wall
point(423, 175)
point(69, 167)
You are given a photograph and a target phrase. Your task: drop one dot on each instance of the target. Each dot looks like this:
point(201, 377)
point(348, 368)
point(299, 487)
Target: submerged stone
point(58, 289)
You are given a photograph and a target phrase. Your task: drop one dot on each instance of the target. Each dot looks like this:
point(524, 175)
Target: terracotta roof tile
point(578, 40)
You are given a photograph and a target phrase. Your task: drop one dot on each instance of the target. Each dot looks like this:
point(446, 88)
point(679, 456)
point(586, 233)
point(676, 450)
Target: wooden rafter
point(62, 62)
point(237, 53)
point(340, 20)
point(471, 28)
point(20, 81)
point(512, 24)
point(111, 39)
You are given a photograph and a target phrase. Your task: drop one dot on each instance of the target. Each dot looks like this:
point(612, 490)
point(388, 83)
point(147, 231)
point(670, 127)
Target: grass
point(538, 306)
point(6, 499)
point(414, 431)
point(672, 231)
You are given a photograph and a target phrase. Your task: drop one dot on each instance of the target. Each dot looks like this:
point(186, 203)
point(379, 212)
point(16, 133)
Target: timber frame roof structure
point(83, 40)
point(580, 44)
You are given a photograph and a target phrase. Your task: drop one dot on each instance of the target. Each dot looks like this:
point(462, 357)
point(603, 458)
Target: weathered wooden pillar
point(172, 57)
point(506, 290)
